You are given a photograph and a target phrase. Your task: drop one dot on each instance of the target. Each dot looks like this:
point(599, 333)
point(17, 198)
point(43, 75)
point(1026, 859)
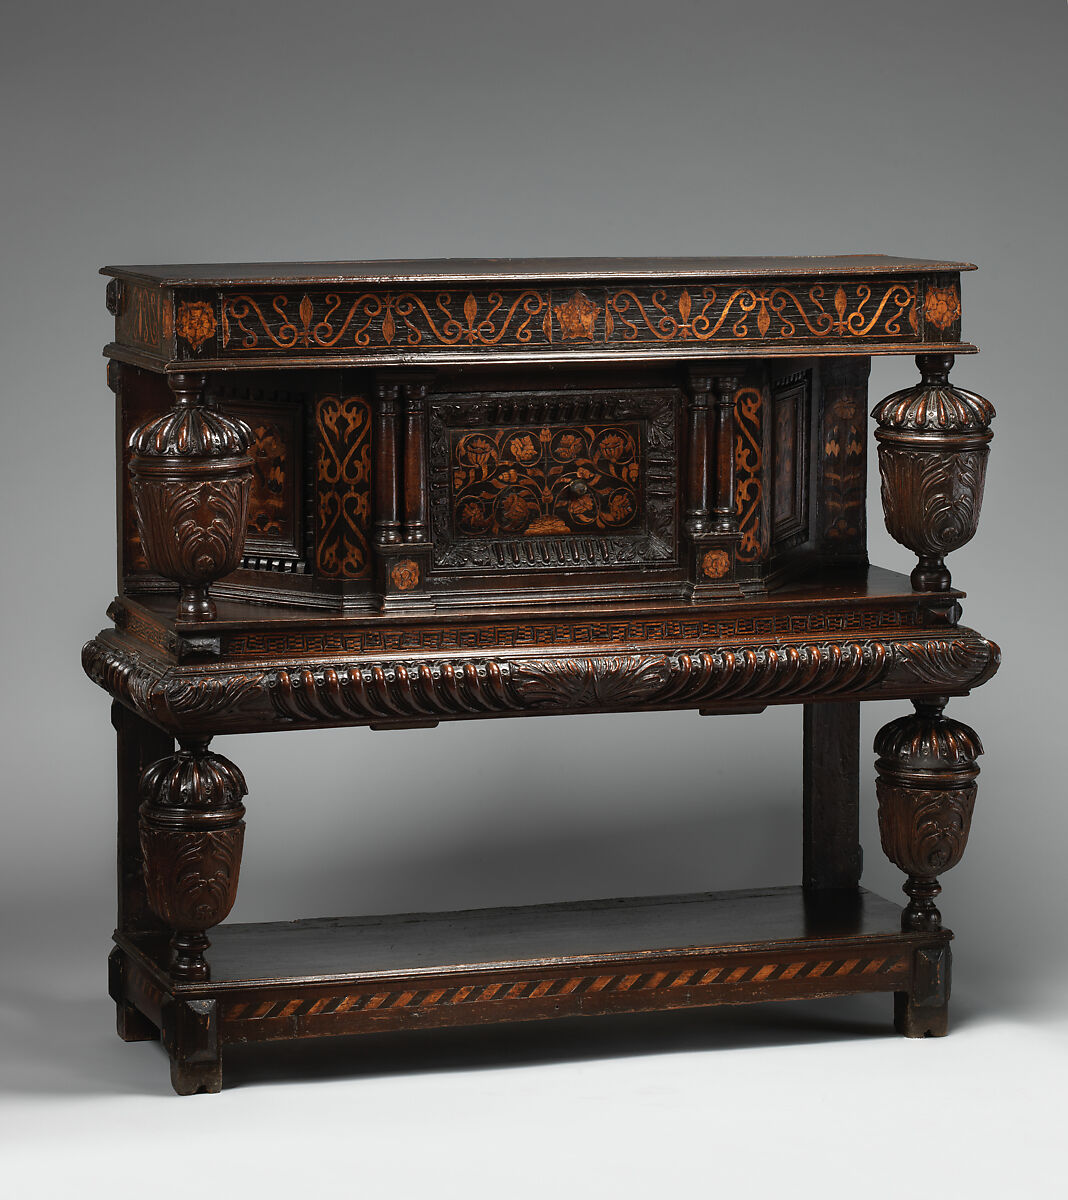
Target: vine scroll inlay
point(638, 316)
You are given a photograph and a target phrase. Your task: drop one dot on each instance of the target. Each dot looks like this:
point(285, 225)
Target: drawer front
point(545, 480)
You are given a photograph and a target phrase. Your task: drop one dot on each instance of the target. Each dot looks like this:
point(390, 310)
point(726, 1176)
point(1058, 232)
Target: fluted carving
point(194, 699)
point(191, 430)
point(926, 789)
point(932, 458)
point(190, 479)
point(191, 836)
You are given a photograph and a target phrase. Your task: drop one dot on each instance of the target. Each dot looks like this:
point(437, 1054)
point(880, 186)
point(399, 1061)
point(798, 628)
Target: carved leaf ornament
point(455, 687)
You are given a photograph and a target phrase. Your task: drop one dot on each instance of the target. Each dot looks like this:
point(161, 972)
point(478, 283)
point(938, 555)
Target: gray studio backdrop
point(244, 131)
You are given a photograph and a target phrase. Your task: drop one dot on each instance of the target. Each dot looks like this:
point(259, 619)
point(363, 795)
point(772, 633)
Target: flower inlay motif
point(577, 317)
point(405, 575)
point(716, 564)
point(195, 322)
point(942, 306)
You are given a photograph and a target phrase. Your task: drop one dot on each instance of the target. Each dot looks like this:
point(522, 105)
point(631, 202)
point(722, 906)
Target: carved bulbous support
point(191, 837)
point(926, 789)
point(190, 478)
point(932, 458)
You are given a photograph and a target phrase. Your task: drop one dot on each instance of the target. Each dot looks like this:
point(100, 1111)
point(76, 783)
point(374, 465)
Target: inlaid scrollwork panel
point(343, 487)
point(750, 493)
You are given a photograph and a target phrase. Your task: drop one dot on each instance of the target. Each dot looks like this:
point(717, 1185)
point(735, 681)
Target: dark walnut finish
point(392, 494)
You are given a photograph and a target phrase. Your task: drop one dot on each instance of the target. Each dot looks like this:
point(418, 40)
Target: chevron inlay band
point(532, 989)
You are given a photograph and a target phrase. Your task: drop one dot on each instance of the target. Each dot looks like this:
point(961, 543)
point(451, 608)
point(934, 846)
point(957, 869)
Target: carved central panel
point(550, 479)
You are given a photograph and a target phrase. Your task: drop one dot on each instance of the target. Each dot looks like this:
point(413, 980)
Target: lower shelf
point(318, 978)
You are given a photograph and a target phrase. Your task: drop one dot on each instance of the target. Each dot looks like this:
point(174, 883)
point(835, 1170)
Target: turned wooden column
point(415, 494)
point(698, 457)
point(932, 458)
point(191, 837)
point(724, 514)
point(190, 479)
point(387, 525)
point(926, 788)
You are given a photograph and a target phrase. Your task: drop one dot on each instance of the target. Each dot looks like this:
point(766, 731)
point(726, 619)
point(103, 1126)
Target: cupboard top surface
point(390, 271)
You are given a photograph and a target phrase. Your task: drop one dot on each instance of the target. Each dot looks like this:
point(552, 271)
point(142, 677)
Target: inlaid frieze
point(501, 636)
point(640, 316)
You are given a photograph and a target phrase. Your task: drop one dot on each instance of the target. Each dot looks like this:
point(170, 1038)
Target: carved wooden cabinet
point(396, 493)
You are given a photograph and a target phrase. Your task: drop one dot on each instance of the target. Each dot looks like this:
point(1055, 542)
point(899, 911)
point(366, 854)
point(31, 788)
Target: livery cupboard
point(396, 493)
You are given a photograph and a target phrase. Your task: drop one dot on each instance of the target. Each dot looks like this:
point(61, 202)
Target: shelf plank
point(872, 588)
point(353, 975)
point(567, 934)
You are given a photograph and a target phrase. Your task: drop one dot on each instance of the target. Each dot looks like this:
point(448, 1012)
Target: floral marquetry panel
point(550, 479)
point(842, 451)
point(275, 535)
point(531, 479)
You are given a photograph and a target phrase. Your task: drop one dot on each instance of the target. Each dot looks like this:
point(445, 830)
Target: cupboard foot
point(917, 1020)
point(923, 1011)
point(191, 1037)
